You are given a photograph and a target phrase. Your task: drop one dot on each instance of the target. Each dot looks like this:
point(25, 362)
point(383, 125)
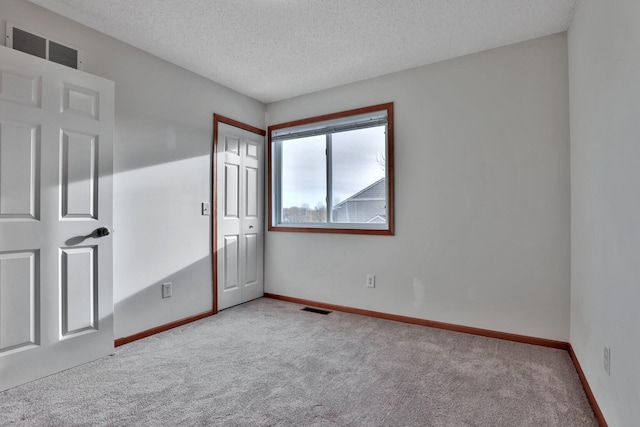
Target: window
point(333, 173)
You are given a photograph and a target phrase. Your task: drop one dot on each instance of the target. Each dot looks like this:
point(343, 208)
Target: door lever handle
point(101, 232)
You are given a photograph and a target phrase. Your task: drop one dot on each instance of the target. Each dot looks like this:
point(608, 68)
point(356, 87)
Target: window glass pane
point(358, 176)
point(304, 180)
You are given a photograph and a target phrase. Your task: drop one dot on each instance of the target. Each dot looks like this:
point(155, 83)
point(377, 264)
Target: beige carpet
point(267, 363)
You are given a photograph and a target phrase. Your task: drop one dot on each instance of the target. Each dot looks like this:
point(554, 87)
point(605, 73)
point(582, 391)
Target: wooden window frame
point(342, 229)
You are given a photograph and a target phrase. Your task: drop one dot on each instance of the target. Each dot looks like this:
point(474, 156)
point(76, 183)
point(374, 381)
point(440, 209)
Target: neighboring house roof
point(368, 205)
point(375, 191)
point(378, 219)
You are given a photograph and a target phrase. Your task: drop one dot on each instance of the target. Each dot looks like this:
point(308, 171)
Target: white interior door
point(56, 155)
point(239, 215)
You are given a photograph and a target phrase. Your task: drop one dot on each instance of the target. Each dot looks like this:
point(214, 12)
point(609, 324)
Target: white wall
point(163, 134)
point(604, 65)
point(482, 197)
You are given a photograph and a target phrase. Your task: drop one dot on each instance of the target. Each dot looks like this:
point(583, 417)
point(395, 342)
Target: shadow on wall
point(129, 319)
point(162, 174)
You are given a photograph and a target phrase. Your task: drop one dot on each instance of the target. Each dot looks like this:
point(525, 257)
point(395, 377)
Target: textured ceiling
point(276, 49)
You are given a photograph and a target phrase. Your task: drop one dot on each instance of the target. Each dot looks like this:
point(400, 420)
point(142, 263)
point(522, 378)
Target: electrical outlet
point(607, 360)
point(371, 281)
point(166, 290)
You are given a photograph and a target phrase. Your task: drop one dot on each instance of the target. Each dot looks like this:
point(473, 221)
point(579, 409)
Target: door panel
point(20, 87)
point(81, 101)
point(19, 154)
point(251, 192)
point(78, 175)
point(231, 266)
point(251, 257)
point(56, 148)
point(252, 150)
point(78, 285)
point(231, 189)
point(239, 215)
point(18, 300)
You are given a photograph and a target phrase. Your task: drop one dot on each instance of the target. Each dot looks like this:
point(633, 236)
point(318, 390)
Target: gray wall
point(482, 197)
point(604, 65)
point(163, 135)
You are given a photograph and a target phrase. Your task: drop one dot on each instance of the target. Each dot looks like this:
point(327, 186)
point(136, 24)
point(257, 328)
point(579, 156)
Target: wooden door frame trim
point(217, 119)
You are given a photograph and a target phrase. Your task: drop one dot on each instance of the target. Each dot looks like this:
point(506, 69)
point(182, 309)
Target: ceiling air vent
point(37, 45)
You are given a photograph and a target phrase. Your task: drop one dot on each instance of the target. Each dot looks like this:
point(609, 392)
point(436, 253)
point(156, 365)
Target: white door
point(56, 149)
point(239, 215)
